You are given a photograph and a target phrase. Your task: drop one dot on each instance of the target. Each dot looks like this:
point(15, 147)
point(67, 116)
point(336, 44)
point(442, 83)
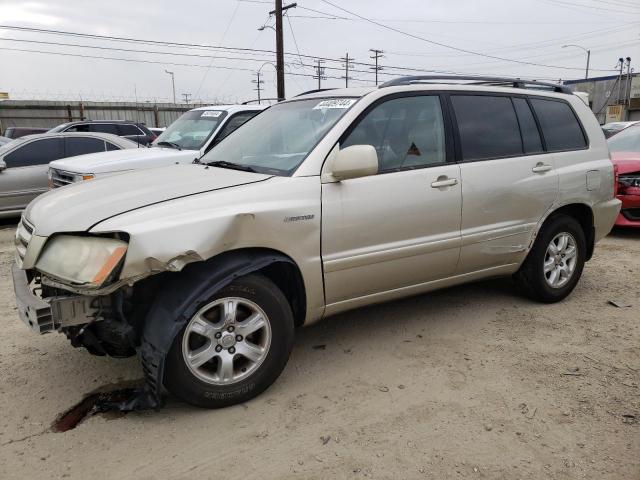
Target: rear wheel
point(233, 347)
point(555, 263)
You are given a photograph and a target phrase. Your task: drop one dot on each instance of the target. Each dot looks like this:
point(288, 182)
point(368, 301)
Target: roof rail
point(478, 80)
point(315, 91)
point(255, 100)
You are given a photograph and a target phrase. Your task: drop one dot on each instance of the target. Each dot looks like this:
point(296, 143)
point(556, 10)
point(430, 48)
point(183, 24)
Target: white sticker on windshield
point(335, 103)
point(211, 113)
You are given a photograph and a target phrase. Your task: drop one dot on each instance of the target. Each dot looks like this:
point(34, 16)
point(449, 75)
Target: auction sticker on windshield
point(335, 103)
point(211, 113)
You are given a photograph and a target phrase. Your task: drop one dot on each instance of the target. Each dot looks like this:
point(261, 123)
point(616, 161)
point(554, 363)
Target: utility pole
point(320, 73)
point(347, 63)
point(627, 88)
point(377, 54)
point(173, 84)
point(186, 97)
point(621, 65)
point(280, 45)
point(258, 82)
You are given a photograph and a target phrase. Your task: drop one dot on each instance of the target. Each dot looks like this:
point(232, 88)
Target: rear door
point(400, 228)
point(508, 180)
point(26, 174)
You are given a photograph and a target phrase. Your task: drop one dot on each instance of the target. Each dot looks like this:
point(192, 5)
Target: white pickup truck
point(186, 139)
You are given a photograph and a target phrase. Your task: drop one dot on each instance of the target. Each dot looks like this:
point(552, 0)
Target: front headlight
point(87, 261)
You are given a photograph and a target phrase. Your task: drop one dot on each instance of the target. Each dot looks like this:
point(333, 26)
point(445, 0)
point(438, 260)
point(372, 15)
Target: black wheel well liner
point(584, 216)
point(177, 298)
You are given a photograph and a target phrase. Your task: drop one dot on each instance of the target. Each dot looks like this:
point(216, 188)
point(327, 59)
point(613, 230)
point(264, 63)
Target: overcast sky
point(531, 31)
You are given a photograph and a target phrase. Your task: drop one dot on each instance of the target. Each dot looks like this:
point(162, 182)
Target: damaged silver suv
point(322, 203)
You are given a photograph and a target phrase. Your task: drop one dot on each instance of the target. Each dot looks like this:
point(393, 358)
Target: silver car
point(323, 203)
point(24, 163)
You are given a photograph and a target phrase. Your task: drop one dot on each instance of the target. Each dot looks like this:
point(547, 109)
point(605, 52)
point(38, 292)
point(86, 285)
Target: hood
point(79, 206)
point(626, 162)
point(120, 160)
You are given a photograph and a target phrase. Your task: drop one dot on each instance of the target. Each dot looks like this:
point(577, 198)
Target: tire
point(209, 385)
point(532, 279)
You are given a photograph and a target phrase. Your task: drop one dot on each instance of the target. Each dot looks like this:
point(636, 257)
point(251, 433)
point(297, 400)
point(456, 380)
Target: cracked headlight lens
point(86, 261)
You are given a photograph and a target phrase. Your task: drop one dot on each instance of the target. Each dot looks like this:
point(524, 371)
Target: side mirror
point(354, 162)
point(3, 165)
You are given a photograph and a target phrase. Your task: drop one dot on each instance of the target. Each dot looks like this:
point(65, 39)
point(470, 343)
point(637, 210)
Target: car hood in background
point(77, 207)
point(626, 162)
point(122, 160)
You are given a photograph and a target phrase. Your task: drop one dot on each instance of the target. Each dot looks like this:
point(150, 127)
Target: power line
point(377, 55)
point(451, 47)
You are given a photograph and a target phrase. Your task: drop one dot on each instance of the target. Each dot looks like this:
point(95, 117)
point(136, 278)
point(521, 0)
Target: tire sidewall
point(557, 225)
point(181, 382)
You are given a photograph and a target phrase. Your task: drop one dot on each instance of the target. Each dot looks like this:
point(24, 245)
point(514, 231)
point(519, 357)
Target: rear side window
point(530, 135)
point(81, 146)
point(487, 125)
point(103, 128)
point(559, 125)
point(38, 152)
point(111, 146)
point(126, 129)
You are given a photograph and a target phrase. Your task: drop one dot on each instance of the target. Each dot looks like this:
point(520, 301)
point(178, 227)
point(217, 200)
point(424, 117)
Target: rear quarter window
point(560, 126)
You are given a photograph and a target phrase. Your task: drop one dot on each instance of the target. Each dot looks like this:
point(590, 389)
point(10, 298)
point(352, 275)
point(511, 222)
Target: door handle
point(444, 182)
point(541, 168)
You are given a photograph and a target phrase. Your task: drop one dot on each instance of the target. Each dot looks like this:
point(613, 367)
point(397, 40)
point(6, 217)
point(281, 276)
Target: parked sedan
point(24, 163)
point(625, 154)
point(17, 132)
point(611, 129)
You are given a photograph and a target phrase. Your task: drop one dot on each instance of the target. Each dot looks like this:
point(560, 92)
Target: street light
point(586, 75)
point(173, 84)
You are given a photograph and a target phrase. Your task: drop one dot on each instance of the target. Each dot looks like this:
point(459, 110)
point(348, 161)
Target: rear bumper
point(33, 311)
point(604, 217)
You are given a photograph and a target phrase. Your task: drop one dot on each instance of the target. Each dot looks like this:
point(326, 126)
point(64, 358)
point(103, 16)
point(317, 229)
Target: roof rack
point(249, 102)
point(476, 80)
point(315, 91)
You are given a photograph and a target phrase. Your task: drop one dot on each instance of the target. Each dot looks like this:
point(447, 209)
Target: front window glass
point(280, 138)
point(627, 140)
point(406, 133)
point(192, 130)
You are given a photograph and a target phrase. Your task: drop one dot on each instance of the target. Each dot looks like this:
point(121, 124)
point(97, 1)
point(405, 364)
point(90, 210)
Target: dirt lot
point(470, 382)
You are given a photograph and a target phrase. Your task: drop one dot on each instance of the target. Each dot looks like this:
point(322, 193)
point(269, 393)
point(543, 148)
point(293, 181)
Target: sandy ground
point(470, 382)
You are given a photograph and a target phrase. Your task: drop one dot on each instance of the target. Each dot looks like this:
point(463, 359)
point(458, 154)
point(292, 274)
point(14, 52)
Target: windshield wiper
point(170, 144)
point(232, 166)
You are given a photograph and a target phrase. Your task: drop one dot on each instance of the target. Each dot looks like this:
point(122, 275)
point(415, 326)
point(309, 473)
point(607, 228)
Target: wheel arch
point(583, 214)
point(177, 296)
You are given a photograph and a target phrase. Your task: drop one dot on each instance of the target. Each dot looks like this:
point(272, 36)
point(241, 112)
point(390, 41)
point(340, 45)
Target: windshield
point(627, 140)
point(280, 138)
point(192, 130)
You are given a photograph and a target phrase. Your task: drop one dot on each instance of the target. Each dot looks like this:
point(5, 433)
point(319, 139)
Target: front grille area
point(24, 232)
point(631, 214)
point(60, 178)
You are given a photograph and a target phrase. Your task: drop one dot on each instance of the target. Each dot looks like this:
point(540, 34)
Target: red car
point(625, 154)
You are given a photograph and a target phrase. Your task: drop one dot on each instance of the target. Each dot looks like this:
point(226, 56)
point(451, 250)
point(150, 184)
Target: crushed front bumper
point(33, 310)
point(44, 316)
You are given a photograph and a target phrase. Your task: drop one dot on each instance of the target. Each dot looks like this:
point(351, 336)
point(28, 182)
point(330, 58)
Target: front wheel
point(555, 263)
point(233, 347)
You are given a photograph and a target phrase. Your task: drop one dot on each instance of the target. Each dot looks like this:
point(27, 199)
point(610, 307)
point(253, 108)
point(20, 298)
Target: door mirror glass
point(354, 162)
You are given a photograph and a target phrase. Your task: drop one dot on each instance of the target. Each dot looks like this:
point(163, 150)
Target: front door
point(401, 227)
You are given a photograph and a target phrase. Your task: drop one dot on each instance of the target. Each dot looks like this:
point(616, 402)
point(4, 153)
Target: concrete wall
point(32, 113)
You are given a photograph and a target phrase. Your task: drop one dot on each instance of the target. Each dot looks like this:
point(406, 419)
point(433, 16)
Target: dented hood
point(77, 207)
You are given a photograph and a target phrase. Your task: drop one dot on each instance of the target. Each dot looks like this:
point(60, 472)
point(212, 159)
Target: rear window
point(103, 128)
point(560, 127)
point(487, 125)
point(127, 129)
